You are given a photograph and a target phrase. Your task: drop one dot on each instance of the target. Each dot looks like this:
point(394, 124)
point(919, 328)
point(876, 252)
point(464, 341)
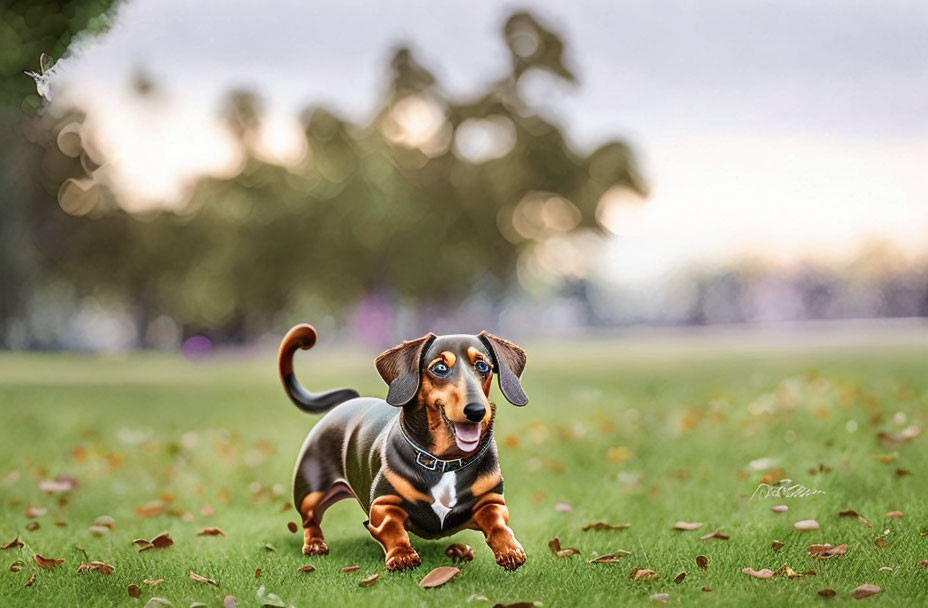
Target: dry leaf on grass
point(826, 551)
point(105, 521)
point(17, 565)
point(438, 577)
point(307, 568)
point(610, 558)
point(12, 544)
point(827, 592)
point(100, 567)
point(292, 527)
point(886, 569)
point(776, 545)
point(211, 532)
point(202, 579)
point(162, 541)
point(555, 545)
point(853, 513)
point(368, 581)
point(907, 434)
point(762, 573)
point(806, 525)
point(257, 572)
point(59, 485)
point(679, 578)
point(599, 525)
point(779, 508)
point(31, 580)
point(33, 511)
point(641, 574)
point(894, 515)
point(702, 561)
point(32, 526)
point(47, 562)
point(707, 589)
point(98, 531)
point(660, 598)
point(881, 543)
point(150, 509)
point(687, 526)
point(459, 553)
point(923, 563)
point(865, 591)
point(134, 591)
point(153, 583)
point(350, 569)
point(717, 534)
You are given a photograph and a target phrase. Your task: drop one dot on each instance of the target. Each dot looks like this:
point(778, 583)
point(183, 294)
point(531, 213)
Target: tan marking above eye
point(446, 356)
point(475, 355)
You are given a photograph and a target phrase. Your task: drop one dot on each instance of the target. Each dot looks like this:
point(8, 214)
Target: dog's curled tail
point(304, 336)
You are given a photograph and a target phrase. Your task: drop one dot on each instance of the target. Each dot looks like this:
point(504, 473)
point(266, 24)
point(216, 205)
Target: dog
point(424, 460)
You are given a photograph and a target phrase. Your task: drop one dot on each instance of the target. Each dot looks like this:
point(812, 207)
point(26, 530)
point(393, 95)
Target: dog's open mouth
point(466, 435)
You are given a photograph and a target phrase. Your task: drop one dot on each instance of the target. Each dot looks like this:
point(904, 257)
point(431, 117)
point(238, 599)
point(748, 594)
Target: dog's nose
point(475, 411)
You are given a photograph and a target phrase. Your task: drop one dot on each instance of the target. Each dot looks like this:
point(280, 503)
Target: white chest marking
point(445, 495)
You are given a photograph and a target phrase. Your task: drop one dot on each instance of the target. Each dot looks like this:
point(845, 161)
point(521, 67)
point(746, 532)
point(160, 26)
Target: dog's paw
point(511, 556)
point(402, 558)
point(315, 546)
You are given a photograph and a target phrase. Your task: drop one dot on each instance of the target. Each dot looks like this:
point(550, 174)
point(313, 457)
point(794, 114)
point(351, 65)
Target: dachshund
point(424, 460)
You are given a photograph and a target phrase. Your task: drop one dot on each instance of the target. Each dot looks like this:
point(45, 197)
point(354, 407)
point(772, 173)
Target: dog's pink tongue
point(467, 435)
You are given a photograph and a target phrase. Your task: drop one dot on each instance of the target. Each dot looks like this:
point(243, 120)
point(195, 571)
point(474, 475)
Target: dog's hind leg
point(311, 509)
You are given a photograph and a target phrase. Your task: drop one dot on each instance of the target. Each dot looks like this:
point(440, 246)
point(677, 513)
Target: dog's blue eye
point(482, 367)
point(440, 369)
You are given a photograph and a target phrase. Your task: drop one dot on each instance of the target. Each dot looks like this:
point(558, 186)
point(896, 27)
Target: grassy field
point(620, 434)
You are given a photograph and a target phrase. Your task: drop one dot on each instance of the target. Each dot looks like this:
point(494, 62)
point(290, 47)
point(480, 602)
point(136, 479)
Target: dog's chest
point(445, 493)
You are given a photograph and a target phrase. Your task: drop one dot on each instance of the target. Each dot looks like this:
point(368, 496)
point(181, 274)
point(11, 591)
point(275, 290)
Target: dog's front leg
point(491, 516)
point(387, 526)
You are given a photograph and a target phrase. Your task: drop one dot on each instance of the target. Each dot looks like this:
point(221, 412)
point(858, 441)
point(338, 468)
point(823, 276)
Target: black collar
point(427, 460)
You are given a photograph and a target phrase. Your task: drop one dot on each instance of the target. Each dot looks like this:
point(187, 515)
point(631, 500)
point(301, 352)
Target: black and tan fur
point(400, 457)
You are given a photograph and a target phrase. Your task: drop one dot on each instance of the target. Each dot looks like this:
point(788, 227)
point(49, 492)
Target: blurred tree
point(28, 29)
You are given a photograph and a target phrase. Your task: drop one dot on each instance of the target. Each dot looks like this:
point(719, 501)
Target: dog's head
point(444, 382)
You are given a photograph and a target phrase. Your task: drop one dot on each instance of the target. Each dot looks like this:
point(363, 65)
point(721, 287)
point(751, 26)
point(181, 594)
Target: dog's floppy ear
point(399, 368)
point(510, 361)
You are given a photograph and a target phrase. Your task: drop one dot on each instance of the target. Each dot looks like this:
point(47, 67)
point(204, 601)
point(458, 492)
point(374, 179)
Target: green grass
point(690, 421)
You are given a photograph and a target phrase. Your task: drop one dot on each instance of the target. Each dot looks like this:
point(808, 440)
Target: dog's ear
point(510, 361)
point(399, 368)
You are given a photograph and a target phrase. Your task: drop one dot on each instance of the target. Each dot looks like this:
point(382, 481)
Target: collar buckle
point(430, 464)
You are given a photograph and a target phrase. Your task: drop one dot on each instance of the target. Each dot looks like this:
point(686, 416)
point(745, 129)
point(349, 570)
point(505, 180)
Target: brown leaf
point(707, 589)
point(459, 553)
point(881, 543)
point(17, 565)
point(308, 568)
point(438, 577)
point(368, 581)
point(610, 558)
point(639, 574)
point(717, 534)
point(32, 526)
point(134, 591)
point(903, 472)
point(806, 525)
point(61, 524)
point(150, 509)
point(776, 545)
point(836, 550)
point(779, 508)
point(865, 591)
point(684, 525)
point(827, 592)
point(211, 532)
point(350, 569)
point(59, 485)
point(599, 525)
point(679, 578)
point(162, 541)
point(894, 515)
point(702, 561)
point(33, 511)
point(763, 573)
point(153, 583)
point(202, 579)
point(885, 458)
point(47, 562)
point(31, 580)
point(100, 567)
point(257, 572)
point(853, 513)
point(568, 552)
point(12, 544)
point(292, 527)
point(923, 563)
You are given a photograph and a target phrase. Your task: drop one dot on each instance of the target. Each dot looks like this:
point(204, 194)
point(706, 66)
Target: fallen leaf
point(827, 592)
point(59, 485)
point(660, 598)
point(907, 434)
point(229, 601)
point(679, 578)
point(368, 581)
point(33, 511)
point(306, 568)
point(350, 569)
point(257, 572)
point(886, 569)
point(702, 561)
point(903, 472)
point(763, 573)
point(881, 543)
point(153, 583)
point(610, 558)
point(717, 534)
point(894, 515)
point(555, 545)
point(12, 544)
point(853, 513)
point(270, 547)
point(202, 579)
point(640, 574)
point(162, 541)
point(150, 509)
point(292, 527)
point(47, 562)
point(32, 526)
point(779, 508)
point(438, 577)
point(31, 580)
point(684, 525)
point(459, 553)
point(98, 531)
point(211, 532)
point(707, 589)
point(599, 525)
point(885, 458)
point(17, 565)
point(134, 591)
point(100, 567)
point(776, 545)
point(806, 525)
point(836, 550)
point(61, 524)
point(923, 563)
point(865, 591)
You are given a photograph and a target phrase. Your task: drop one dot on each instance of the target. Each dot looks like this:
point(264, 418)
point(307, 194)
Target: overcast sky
point(786, 127)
